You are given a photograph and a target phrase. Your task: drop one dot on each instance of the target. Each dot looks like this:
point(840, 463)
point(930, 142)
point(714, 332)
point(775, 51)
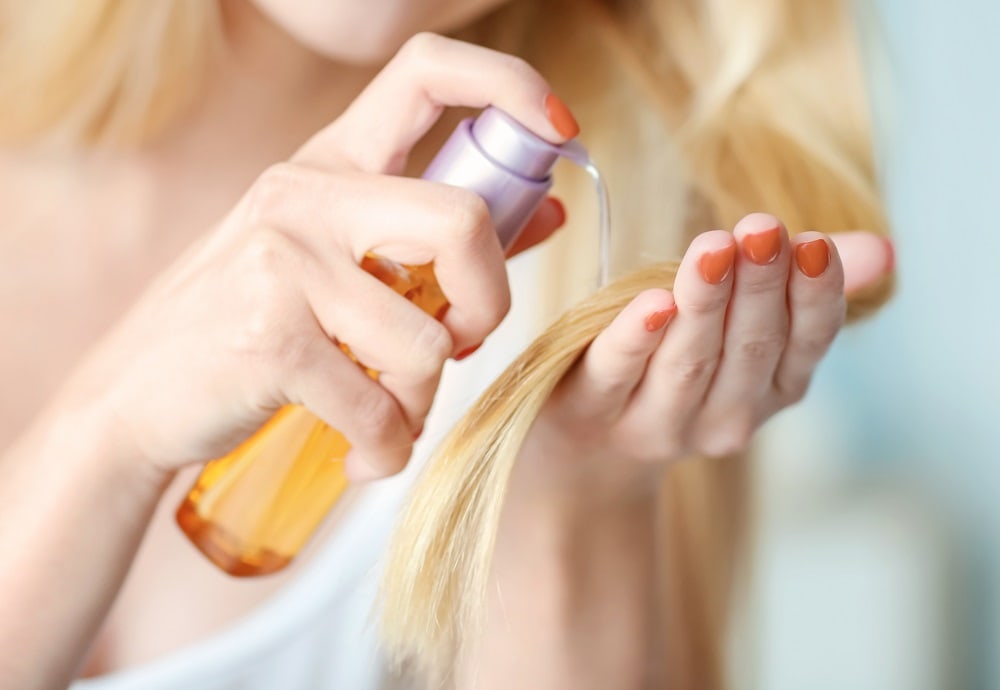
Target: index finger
point(429, 73)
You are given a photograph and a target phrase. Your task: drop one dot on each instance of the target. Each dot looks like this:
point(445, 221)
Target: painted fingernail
point(813, 257)
point(716, 266)
point(561, 117)
point(465, 353)
point(890, 262)
point(659, 319)
point(763, 248)
point(560, 210)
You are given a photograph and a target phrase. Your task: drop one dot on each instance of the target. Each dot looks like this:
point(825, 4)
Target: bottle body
point(251, 511)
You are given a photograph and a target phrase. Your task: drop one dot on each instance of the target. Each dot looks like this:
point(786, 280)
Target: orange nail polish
point(560, 209)
point(763, 248)
point(813, 258)
point(716, 266)
point(561, 117)
point(659, 319)
point(465, 353)
point(891, 261)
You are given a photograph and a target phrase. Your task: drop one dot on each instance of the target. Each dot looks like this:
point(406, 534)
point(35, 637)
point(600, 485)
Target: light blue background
point(921, 384)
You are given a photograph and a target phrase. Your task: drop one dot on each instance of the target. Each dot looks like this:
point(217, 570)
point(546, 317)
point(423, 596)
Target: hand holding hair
point(664, 364)
point(697, 370)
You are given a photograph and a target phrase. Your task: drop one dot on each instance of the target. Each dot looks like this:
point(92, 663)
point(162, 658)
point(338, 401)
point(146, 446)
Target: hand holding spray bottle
point(252, 511)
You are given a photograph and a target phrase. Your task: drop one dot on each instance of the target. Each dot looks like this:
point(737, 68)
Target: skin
point(106, 416)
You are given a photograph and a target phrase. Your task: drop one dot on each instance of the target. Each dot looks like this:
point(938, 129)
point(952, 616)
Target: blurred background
point(878, 547)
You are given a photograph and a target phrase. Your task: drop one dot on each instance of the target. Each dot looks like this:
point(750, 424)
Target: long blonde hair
point(698, 112)
point(737, 105)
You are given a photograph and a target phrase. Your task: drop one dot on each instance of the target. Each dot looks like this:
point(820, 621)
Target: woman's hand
point(698, 370)
point(250, 319)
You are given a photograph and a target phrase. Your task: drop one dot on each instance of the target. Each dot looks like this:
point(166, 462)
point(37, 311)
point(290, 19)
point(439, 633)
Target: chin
point(368, 46)
point(368, 31)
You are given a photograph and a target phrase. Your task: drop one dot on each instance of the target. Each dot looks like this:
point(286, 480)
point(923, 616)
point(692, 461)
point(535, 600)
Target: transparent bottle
point(251, 511)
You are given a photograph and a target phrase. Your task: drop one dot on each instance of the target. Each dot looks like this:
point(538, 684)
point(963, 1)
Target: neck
point(264, 96)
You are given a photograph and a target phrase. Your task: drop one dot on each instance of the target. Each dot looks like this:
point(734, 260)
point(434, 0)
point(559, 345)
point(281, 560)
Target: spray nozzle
point(509, 166)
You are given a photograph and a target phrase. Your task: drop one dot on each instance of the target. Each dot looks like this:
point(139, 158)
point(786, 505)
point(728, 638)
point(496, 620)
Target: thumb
point(867, 258)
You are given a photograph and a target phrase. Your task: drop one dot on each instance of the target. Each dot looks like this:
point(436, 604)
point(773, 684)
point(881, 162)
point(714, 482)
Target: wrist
point(86, 434)
point(556, 475)
point(591, 578)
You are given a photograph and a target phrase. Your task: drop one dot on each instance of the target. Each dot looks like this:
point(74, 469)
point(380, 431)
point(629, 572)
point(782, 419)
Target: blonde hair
point(87, 71)
point(698, 111)
point(761, 104)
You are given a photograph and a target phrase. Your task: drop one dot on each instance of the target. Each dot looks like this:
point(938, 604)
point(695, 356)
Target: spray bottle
point(251, 511)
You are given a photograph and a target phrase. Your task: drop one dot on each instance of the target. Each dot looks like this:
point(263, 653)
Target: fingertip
point(614, 363)
point(890, 250)
point(755, 223)
point(558, 210)
point(655, 296)
point(550, 216)
point(648, 313)
point(560, 117)
point(814, 254)
point(658, 320)
point(360, 469)
point(867, 258)
point(479, 302)
point(357, 469)
point(467, 352)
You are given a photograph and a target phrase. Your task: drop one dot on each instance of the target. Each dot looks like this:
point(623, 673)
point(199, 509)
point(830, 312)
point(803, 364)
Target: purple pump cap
point(505, 163)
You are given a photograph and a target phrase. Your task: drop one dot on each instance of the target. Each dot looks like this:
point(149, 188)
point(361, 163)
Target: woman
point(198, 118)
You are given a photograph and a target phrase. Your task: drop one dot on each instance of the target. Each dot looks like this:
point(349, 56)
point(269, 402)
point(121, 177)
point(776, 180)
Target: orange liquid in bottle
point(251, 511)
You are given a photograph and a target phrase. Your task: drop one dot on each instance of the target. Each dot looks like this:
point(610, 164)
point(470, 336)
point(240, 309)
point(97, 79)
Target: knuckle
point(731, 440)
point(265, 339)
point(375, 412)
point(794, 390)
point(267, 255)
point(658, 453)
point(467, 215)
point(696, 370)
point(263, 297)
point(432, 346)
point(269, 189)
point(495, 309)
point(421, 47)
point(764, 348)
point(297, 352)
point(519, 68)
point(815, 345)
point(818, 340)
point(772, 282)
point(709, 306)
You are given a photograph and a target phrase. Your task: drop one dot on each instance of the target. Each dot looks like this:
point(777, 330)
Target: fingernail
point(659, 319)
point(560, 210)
point(716, 266)
point(419, 433)
point(465, 353)
point(561, 117)
point(813, 257)
point(763, 248)
point(891, 260)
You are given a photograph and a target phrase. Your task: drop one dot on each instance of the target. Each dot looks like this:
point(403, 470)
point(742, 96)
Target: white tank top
point(318, 633)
